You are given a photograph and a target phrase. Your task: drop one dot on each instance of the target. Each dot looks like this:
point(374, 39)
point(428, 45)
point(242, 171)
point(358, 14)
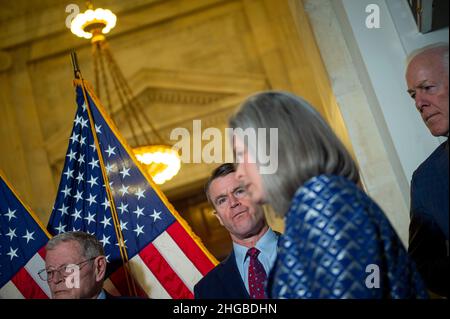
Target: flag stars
point(76, 214)
point(74, 138)
point(110, 184)
point(84, 158)
point(138, 230)
point(93, 181)
point(61, 228)
point(123, 226)
point(90, 218)
point(71, 155)
point(83, 123)
point(155, 215)
point(80, 177)
point(106, 204)
point(82, 140)
point(80, 159)
point(11, 234)
point(91, 232)
point(110, 150)
point(79, 196)
point(124, 190)
point(109, 168)
point(63, 210)
point(123, 208)
point(69, 173)
point(11, 214)
point(138, 211)
point(124, 243)
point(94, 163)
point(84, 106)
point(125, 172)
point(66, 191)
point(106, 222)
point(105, 240)
point(77, 120)
point(12, 253)
point(140, 193)
point(28, 236)
point(91, 199)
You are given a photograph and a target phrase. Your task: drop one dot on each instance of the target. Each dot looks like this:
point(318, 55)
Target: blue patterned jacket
point(339, 244)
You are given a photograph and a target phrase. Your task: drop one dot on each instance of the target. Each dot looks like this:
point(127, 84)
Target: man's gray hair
point(90, 246)
point(440, 49)
point(306, 144)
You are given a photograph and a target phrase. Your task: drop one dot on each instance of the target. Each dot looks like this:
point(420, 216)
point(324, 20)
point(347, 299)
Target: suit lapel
point(441, 171)
point(231, 278)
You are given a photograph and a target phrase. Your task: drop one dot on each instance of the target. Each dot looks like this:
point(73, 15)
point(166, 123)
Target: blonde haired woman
point(337, 242)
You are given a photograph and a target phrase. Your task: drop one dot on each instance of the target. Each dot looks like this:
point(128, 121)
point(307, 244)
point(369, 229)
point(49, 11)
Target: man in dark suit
point(234, 278)
point(427, 79)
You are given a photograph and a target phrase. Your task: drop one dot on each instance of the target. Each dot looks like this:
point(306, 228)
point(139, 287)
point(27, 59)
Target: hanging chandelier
point(158, 157)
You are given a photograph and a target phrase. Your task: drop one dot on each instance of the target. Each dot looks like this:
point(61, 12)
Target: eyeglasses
point(64, 271)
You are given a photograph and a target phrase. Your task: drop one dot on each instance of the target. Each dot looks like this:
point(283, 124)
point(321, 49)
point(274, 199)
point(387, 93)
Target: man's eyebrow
point(420, 85)
point(219, 196)
point(225, 195)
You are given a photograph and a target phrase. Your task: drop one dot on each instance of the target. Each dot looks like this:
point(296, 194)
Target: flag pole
point(122, 248)
point(76, 68)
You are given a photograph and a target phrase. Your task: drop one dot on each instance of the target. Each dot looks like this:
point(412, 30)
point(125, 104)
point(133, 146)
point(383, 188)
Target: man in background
point(243, 274)
point(427, 80)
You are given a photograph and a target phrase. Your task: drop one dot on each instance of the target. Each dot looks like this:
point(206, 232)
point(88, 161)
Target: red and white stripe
point(26, 284)
point(169, 267)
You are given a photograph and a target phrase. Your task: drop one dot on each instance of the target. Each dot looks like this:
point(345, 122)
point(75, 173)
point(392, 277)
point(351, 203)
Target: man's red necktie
point(256, 275)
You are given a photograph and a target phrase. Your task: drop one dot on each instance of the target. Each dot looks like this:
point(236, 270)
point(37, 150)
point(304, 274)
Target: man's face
point(69, 253)
point(234, 208)
point(428, 85)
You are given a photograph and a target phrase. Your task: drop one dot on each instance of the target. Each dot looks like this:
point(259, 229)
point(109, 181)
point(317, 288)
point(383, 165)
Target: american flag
point(22, 242)
point(165, 257)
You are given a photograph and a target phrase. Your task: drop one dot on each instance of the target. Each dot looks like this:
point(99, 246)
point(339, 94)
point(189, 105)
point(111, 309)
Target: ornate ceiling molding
point(211, 98)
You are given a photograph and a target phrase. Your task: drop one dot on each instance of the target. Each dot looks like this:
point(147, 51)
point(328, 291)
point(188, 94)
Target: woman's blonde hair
point(307, 146)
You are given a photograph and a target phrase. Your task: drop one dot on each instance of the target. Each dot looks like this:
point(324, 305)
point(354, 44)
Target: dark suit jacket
point(429, 227)
point(223, 282)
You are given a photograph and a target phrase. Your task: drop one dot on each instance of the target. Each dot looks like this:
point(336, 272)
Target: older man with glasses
point(75, 266)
